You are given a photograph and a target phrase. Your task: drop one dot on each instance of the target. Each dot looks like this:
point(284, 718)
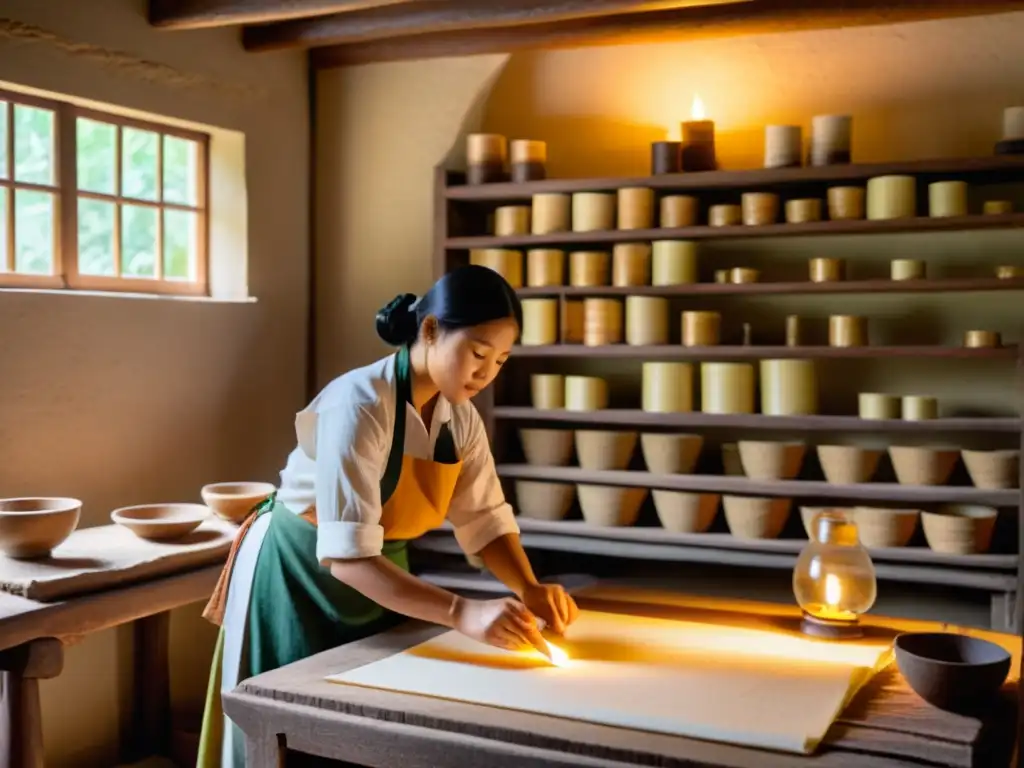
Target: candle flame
point(833, 590)
point(558, 657)
point(697, 111)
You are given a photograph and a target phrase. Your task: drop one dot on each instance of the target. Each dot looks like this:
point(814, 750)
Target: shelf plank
point(636, 418)
point(803, 489)
point(947, 285)
point(756, 352)
point(994, 168)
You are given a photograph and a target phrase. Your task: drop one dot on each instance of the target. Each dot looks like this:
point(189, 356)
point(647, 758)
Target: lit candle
point(698, 149)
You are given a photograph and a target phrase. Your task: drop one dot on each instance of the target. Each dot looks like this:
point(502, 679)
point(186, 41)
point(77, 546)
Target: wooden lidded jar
point(512, 220)
point(789, 388)
point(602, 322)
point(892, 197)
point(646, 320)
point(668, 387)
point(572, 321)
point(547, 391)
point(701, 329)
point(585, 393)
point(529, 160)
point(678, 211)
point(847, 331)
point(673, 262)
point(545, 267)
point(636, 208)
point(486, 155)
point(550, 213)
point(631, 264)
point(589, 268)
point(593, 212)
point(540, 322)
point(727, 387)
point(877, 405)
point(507, 263)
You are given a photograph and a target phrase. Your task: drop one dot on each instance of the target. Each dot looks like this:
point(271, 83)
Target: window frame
point(66, 194)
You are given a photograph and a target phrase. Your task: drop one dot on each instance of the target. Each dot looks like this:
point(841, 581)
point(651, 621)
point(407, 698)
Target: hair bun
point(396, 321)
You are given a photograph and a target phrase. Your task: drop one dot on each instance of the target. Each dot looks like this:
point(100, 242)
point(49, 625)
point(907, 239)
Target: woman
point(385, 453)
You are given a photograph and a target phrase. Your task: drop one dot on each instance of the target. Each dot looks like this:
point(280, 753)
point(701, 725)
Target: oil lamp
point(834, 578)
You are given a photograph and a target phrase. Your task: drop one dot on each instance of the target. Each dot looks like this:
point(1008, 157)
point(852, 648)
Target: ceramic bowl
point(848, 464)
point(993, 470)
point(161, 522)
point(605, 505)
point(959, 529)
point(950, 671)
point(234, 501)
point(547, 447)
point(922, 465)
point(881, 527)
point(809, 514)
point(544, 501)
point(731, 464)
point(682, 512)
point(671, 454)
point(771, 459)
point(754, 517)
point(33, 526)
point(604, 449)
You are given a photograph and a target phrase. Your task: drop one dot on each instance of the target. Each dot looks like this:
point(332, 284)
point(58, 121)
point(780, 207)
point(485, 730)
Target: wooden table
point(33, 636)
point(294, 709)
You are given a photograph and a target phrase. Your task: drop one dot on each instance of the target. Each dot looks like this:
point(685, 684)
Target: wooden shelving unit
point(461, 224)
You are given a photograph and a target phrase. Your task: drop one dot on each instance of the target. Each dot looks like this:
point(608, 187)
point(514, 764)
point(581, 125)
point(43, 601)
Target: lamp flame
point(558, 657)
point(833, 590)
point(697, 111)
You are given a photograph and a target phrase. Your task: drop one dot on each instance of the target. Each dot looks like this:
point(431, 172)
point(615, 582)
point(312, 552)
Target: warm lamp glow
point(558, 657)
point(833, 590)
point(697, 111)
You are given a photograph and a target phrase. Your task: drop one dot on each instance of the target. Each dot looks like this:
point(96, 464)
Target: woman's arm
point(397, 590)
point(505, 558)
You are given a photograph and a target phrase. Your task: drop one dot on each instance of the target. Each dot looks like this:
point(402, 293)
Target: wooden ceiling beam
point(758, 17)
point(442, 16)
point(196, 14)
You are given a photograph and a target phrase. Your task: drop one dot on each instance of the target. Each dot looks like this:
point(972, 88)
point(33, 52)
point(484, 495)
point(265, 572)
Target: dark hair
point(462, 298)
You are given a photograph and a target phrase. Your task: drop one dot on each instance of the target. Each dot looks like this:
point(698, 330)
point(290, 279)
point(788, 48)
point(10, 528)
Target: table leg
point(21, 719)
point(151, 703)
point(266, 750)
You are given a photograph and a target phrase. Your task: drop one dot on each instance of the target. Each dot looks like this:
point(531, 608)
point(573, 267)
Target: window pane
point(138, 241)
point(180, 230)
point(181, 163)
point(3, 229)
point(3, 139)
point(33, 232)
point(33, 145)
point(96, 237)
point(97, 151)
point(138, 163)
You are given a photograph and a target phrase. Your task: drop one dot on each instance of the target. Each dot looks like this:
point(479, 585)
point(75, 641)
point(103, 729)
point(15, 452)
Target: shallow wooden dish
point(161, 522)
point(234, 501)
point(669, 454)
point(959, 529)
point(604, 449)
point(544, 501)
point(32, 526)
point(771, 459)
point(547, 447)
point(683, 512)
point(922, 465)
point(883, 527)
point(993, 470)
point(605, 505)
point(756, 517)
point(952, 671)
point(848, 464)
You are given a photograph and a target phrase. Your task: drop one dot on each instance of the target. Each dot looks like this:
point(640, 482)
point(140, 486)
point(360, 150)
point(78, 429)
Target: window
point(96, 201)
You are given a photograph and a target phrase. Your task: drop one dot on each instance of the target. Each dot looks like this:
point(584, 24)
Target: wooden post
point(150, 732)
point(21, 720)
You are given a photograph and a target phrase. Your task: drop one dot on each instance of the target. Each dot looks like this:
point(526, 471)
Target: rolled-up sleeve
point(478, 509)
point(350, 453)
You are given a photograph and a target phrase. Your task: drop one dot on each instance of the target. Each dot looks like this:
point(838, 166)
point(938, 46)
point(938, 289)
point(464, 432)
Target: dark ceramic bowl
point(952, 672)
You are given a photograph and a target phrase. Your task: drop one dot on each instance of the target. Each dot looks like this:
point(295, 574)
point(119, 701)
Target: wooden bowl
point(848, 464)
point(544, 501)
point(959, 529)
point(668, 454)
point(33, 526)
point(161, 522)
point(922, 465)
point(771, 459)
point(809, 514)
point(951, 671)
point(993, 470)
point(756, 517)
point(682, 512)
point(604, 449)
point(605, 505)
point(234, 501)
point(547, 447)
point(881, 527)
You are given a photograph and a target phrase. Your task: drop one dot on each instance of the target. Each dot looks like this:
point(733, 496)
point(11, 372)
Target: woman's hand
point(553, 604)
point(504, 623)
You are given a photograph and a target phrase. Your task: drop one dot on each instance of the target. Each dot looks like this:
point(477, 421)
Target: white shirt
point(345, 437)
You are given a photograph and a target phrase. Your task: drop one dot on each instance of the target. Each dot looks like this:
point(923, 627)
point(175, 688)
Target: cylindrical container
point(831, 138)
point(486, 154)
point(572, 321)
point(589, 268)
point(982, 339)
point(996, 207)
point(540, 322)
point(551, 213)
point(668, 387)
point(723, 275)
point(585, 393)
point(907, 269)
point(845, 203)
point(803, 210)
point(759, 208)
point(794, 335)
point(892, 197)
point(547, 391)
point(665, 157)
point(507, 263)
point(646, 320)
point(631, 264)
point(593, 211)
point(673, 262)
point(727, 387)
point(512, 220)
point(602, 322)
point(1013, 124)
point(827, 270)
point(529, 160)
point(783, 145)
point(701, 329)
point(947, 198)
point(545, 266)
point(920, 408)
point(744, 275)
point(678, 211)
point(789, 388)
point(724, 215)
point(636, 208)
point(697, 152)
point(1009, 273)
point(847, 331)
point(874, 405)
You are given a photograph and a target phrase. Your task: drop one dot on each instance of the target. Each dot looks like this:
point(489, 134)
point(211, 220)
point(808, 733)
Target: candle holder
point(834, 579)
point(665, 157)
point(1012, 142)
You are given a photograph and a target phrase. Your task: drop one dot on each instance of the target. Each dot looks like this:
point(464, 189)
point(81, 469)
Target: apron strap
point(403, 395)
point(444, 448)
